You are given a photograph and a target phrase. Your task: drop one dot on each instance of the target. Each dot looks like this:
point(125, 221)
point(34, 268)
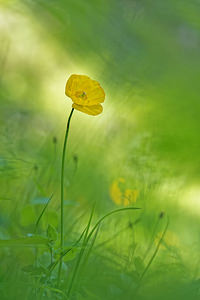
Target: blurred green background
point(145, 54)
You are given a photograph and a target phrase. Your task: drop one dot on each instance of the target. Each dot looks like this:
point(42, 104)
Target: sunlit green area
point(141, 152)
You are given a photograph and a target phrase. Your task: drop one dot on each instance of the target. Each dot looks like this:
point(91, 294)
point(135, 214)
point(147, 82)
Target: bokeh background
point(142, 151)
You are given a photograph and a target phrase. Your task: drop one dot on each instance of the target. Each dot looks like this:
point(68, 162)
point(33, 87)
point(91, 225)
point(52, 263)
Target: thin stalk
point(155, 252)
point(80, 268)
point(116, 234)
point(41, 214)
point(152, 239)
point(36, 229)
point(62, 193)
point(84, 244)
point(107, 215)
point(87, 237)
point(90, 249)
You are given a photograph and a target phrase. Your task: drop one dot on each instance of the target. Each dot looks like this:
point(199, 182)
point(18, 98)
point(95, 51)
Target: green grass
point(145, 54)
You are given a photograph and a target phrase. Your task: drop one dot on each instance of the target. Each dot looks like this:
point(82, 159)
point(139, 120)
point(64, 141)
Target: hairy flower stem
point(62, 193)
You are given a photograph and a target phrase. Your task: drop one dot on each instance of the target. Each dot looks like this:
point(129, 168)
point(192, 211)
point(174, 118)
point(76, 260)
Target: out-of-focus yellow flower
point(115, 192)
point(120, 195)
point(130, 196)
point(86, 94)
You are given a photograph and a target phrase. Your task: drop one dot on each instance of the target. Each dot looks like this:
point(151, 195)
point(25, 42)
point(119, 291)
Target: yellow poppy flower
point(115, 191)
point(120, 195)
point(86, 94)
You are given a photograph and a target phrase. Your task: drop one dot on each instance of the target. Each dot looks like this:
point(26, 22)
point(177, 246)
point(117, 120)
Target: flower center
point(81, 94)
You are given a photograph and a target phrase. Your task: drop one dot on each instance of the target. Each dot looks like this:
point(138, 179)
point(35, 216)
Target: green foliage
point(146, 56)
point(139, 265)
point(26, 241)
point(28, 215)
point(52, 234)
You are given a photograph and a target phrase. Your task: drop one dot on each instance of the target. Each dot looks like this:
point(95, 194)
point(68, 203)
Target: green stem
point(62, 192)
point(155, 252)
point(107, 215)
point(87, 237)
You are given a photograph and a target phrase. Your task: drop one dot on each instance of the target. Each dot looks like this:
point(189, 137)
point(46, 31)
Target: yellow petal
point(115, 193)
point(84, 91)
point(93, 110)
point(95, 93)
point(130, 196)
point(74, 83)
